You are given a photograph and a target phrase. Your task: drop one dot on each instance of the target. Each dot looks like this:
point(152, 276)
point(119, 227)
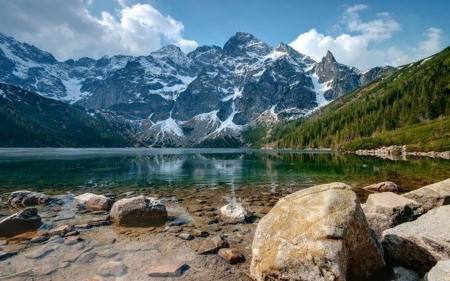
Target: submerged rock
point(94, 202)
point(212, 245)
point(386, 186)
point(319, 233)
point(421, 243)
point(431, 196)
point(139, 211)
point(233, 213)
point(25, 198)
point(20, 222)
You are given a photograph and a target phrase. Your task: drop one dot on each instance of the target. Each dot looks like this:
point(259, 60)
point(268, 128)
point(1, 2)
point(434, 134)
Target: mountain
point(410, 107)
point(205, 98)
point(30, 120)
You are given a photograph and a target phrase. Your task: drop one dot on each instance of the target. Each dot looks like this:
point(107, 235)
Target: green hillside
point(30, 120)
point(411, 107)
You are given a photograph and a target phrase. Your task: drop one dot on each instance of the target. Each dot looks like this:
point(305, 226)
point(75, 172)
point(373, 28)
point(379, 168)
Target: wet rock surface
point(20, 222)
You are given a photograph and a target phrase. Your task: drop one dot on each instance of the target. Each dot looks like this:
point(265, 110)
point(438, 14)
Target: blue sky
point(361, 34)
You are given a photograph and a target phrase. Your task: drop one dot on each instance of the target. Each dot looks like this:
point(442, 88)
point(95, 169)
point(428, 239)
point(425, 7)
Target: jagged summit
point(243, 43)
point(329, 58)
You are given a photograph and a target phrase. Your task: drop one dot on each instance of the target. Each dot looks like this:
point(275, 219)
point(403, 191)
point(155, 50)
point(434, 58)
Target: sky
point(358, 33)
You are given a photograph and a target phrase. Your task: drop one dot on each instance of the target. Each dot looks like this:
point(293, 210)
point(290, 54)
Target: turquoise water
point(78, 170)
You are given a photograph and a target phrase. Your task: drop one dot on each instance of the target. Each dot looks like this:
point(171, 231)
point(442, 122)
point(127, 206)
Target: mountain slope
point(369, 117)
point(30, 120)
point(207, 97)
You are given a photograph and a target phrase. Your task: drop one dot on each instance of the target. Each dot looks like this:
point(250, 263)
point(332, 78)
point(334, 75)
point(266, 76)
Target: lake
point(56, 171)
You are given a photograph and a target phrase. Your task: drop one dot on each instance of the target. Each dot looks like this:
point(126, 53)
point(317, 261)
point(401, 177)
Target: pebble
point(231, 255)
point(186, 236)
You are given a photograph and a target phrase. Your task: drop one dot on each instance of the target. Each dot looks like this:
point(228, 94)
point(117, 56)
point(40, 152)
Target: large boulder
point(319, 233)
point(386, 210)
point(25, 198)
point(20, 222)
point(386, 186)
point(440, 272)
point(94, 202)
point(139, 211)
point(431, 196)
point(233, 213)
point(421, 243)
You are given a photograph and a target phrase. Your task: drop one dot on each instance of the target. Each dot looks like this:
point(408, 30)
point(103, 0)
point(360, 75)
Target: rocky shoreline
point(396, 152)
point(318, 233)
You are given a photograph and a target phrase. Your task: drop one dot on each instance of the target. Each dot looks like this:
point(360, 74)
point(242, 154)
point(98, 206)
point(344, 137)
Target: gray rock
point(212, 245)
point(404, 274)
point(233, 213)
point(431, 196)
point(439, 272)
point(319, 233)
point(386, 186)
point(41, 251)
point(20, 222)
point(386, 210)
point(112, 268)
point(25, 198)
point(139, 211)
point(93, 202)
point(421, 243)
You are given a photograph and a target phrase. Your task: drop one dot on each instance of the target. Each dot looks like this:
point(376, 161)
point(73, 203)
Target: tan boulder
point(139, 211)
point(431, 196)
point(319, 233)
point(386, 186)
point(421, 243)
point(93, 202)
point(386, 210)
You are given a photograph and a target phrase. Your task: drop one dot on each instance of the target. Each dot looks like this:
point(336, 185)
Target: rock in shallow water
point(25, 198)
point(233, 213)
point(431, 196)
point(20, 222)
point(319, 233)
point(139, 211)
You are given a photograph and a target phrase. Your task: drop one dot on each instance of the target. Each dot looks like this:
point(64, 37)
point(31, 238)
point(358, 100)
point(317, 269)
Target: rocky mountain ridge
point(204, 98)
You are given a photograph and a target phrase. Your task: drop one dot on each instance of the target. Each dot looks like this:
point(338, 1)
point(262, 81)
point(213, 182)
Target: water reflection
point(94, 169)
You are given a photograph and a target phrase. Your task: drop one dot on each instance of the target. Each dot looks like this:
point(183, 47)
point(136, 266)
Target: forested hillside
point(30, 120)
point(415, 97)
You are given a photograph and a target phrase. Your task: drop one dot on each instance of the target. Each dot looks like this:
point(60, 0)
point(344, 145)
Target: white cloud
point(355, 50)
point(68, 30)
point(431, 45)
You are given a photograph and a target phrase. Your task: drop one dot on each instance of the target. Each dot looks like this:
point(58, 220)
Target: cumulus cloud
point(353, 46)
point(68, 30)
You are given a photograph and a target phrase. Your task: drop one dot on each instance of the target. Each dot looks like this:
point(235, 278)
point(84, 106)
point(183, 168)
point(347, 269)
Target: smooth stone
point(112, 268)
point(108, 253)
point(60, 230)
point(139, 211)
point(86, 257)
point(167, 268)
point(431, 196)
point(231, 255)
point(319, 233)
point(421, 243)
point(39, 239)
point(404, 274)
point(212, 245)
point(72, 240)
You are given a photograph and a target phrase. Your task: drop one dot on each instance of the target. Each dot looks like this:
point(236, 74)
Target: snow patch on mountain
point(320, 89)
point(73, 88)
